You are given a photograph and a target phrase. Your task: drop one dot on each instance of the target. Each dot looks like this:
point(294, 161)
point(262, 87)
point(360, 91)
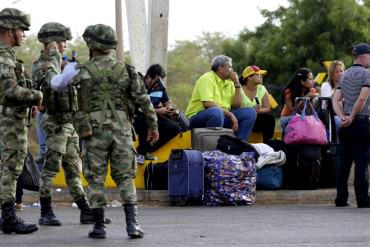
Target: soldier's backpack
point(81, 120)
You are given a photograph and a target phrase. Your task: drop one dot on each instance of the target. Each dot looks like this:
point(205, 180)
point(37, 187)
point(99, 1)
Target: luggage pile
point(230, 179)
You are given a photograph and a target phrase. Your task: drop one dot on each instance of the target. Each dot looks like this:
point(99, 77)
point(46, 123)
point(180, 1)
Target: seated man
point(216, 101)
point(164, 110)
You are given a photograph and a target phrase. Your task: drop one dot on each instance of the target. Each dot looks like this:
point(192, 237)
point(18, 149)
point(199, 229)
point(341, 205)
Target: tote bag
point(305, 129)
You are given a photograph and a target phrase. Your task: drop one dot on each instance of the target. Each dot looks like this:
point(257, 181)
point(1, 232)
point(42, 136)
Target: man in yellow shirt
point(216, 100)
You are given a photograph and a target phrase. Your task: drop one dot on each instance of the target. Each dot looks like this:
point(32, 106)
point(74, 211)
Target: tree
point(305, 33)
point(29, 51)
point(187, 61)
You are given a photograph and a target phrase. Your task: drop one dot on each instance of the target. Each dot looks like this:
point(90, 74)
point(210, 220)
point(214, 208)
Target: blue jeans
point(215, 117)
point(40, 134)
point(354, 146)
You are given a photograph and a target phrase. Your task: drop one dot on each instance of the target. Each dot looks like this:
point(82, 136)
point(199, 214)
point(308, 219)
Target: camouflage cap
point(53, 31)
point(13, 18)
point(100, 36)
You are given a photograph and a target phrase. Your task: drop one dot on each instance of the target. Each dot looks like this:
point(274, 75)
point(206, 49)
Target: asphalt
point(244, 226)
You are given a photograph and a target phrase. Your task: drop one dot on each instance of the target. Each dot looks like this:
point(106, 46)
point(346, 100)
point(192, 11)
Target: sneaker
point(19, 206)
point(140, 159)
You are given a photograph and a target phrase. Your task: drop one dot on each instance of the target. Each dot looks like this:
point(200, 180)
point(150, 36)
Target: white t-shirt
point(326, 90)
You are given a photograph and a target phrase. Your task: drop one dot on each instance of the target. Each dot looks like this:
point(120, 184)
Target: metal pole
point(119, 30)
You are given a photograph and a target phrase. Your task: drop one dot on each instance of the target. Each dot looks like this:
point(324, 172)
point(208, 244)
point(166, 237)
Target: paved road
point(259, 225)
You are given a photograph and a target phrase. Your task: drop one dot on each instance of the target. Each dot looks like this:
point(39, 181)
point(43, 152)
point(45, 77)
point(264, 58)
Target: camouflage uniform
point(61, 138)
point(108, 91)
point(16, 96)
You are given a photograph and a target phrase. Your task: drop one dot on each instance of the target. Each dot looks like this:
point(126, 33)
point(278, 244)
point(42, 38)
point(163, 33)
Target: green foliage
point(303, 34)
point(80, 47)
point(29, 51)
point(187, 61)
point(181, 94)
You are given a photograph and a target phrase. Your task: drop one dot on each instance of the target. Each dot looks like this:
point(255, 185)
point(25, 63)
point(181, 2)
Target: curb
point(263, 197)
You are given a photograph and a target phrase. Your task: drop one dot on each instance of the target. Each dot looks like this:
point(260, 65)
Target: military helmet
point(100, 36)
point(53, 31)
point(13, 18)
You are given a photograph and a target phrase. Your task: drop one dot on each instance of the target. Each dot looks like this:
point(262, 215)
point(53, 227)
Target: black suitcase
point(330, 154)
point(185, 177)
point(156, 176)
point(302, 167)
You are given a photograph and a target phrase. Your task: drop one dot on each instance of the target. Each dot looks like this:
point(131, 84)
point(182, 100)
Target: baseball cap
point(361, 48)
point(253, 69)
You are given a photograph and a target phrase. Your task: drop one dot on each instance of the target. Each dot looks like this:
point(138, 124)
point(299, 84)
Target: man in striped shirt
point(351, 103)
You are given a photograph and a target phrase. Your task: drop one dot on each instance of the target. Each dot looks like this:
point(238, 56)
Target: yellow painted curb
point(181, 141)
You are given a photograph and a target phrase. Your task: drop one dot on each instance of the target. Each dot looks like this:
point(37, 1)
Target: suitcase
point(185, 177)
point(205, 139)
point(156, 176)
point(330, 154)
point(302, 168)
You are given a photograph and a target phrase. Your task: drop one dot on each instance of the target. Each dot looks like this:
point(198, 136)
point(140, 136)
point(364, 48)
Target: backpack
point(235, 146)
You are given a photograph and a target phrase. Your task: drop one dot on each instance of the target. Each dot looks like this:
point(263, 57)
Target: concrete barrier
point(181, 141)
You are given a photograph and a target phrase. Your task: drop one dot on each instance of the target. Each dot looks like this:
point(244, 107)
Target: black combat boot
point(11, 223)
point(86, 216)
point(98, 230)
point(1, 224)
point(47, 215)
point(132, 226)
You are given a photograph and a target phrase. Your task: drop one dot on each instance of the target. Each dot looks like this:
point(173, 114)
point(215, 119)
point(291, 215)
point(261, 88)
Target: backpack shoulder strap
point(117, 71)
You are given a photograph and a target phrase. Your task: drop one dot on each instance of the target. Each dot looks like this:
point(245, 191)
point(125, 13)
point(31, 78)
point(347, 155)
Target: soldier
point(108, 91)
point(61, 138)
point(16, 97)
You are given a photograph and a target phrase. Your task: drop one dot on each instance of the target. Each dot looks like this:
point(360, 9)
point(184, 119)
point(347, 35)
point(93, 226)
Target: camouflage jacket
point(122, 95)
point(15, 90)
point(43, 70)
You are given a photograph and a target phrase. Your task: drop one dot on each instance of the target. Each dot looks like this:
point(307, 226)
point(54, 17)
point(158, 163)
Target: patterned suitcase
point(185, 177)
point(229, 179)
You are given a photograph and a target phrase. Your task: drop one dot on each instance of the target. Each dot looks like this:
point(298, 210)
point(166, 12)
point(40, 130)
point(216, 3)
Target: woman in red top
point(300, 85)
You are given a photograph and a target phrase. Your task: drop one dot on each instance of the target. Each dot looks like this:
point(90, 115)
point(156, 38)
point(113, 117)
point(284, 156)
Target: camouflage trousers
point(13, 143)
point(62, 149)
point(114, 145)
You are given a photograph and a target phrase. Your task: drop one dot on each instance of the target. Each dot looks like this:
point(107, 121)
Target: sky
point(187, 18)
